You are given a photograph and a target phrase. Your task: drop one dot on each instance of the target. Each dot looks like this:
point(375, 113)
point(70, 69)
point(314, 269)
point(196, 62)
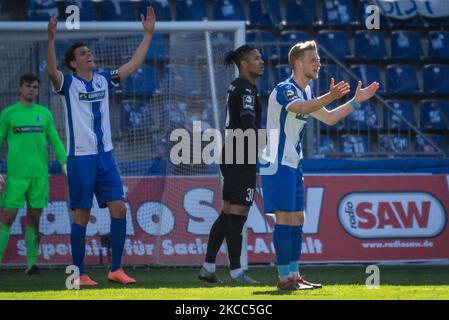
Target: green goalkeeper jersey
point(26, 129)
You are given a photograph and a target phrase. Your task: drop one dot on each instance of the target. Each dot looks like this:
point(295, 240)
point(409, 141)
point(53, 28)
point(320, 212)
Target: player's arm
point(139, 55)
point(52, 70)
point(246, 101)
point(55, 141)
point(331, 117)
point(336, 91)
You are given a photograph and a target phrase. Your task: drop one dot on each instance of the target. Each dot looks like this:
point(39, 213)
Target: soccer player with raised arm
point(289, 106)
point(239, 180)
point(27, 126)
point(91, 166)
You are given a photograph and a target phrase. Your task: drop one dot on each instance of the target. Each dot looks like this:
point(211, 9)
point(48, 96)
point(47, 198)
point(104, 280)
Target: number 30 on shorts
point(250, 195)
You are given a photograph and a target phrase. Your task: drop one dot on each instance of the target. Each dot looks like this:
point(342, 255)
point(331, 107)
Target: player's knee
point(119, 210)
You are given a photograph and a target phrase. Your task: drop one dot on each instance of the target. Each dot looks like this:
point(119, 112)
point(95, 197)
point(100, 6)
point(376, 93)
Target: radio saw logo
point(392, 215)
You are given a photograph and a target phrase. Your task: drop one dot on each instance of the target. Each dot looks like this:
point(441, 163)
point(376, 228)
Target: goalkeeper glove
point(64, 168)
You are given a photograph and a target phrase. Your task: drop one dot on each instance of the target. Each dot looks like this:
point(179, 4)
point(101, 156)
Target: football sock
point(78, 243)
point(282, 245)
point(233, 237)
point(296, 248)
point(236, 272)
point(5, 230)
point(210, 267)
point(216, 237)
point(32, 245)
point(118, 235)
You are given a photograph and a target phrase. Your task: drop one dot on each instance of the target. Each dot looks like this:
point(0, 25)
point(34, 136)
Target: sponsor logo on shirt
point(248, 102)
point(28, 129)
point(92, 96)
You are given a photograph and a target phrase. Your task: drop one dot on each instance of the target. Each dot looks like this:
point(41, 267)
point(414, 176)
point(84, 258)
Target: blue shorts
point(284, 190)
point(93, 174)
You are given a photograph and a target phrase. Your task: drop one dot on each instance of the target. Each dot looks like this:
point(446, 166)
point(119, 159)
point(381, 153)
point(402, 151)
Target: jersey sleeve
point(245, 100)
point(112, 78)
point(287, 95)
point(64, 84)
point(55, 141)
point(3, 126)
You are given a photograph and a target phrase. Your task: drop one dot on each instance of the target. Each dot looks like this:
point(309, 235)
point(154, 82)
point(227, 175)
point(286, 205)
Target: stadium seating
point(390, 143)
point(300, 13)
point(335, 42)
point(266, 41)
point(142, 82)
point(402, 107)
point(274, 11)
point(194, 10)
point(263, 82)
point(338, 12)
point(367, 74)
point(363, 118)
point(115, 10)
point(355, 145)
point(289, 38)
point(436, 78)
point(282, 72)
point(161, 9)
point(402, 79)
point(182, 78)
point(370, 45)
point(38, 10)
point(434, 114)
point(158, 48)
point(88, 10)
point(327, 145)
point(258, 15)
point(406, 45)
point(438, 45)
point(136, 115)
point(228, 10)
point(424, 146)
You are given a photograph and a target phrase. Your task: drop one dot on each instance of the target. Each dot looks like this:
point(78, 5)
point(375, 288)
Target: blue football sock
point(118, 235)
point(78, 243)
point(296, 248)
point(282, 244)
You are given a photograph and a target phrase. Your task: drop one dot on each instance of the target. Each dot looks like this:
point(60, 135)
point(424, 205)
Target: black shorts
point(239, 182)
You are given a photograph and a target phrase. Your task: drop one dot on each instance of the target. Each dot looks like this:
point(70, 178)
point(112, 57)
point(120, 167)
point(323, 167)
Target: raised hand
point(338, 90)
point(367, 93)
point(148, 21)
point(52, 24)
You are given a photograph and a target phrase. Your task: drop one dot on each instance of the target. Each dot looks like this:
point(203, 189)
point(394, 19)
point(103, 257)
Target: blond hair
point(297, 51)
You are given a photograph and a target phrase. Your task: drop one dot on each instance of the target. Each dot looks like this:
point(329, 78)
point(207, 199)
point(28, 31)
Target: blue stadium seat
point(383, 22)
point(434, 114)
point(181, 80)
point(258, 15)
point(266, 41)
point(363, 118)
point(401, 79)
point(327, 145)
point(264, 85)
point(436, 78)
point(328, 71)
point(335, 42)
point(142, 82)
point(41, 10)
point(370, 45)
point(282, 72)
point(88, 10)
point(438, 45)
point(406, 45)
point(423, 146)
point(367, 74)
point(353, 144)
point(289, 38)
point(190, 10)
point(118, 10)
point(228, 10)
point(393, 143)
point(135, 115)
point(159, 47)
point(338, 12)
point(161, 9)
point(274, 10)
point(402, 107)
point(300, 13)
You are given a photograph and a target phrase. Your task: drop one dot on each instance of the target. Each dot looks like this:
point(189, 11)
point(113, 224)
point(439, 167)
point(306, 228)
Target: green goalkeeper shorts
point(17, 190)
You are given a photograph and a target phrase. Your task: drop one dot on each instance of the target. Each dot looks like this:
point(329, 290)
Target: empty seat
point(438, 45)
point(328, 71)
point(266, 41)
point(38, 10)
point(393, 119)
point(353, 144)
point(338, 12)
point(274, 11)
point(290, 38)
point(258, 15)
point(142, 81)
point(393, 143)
point(158, 49)
point(115, 10)
point(228, 10)
point(406, 45)
point(300, 13)
point(335, 42)
point(363, 118)
point(190, 10)
point(264, 85)
point(135, 115)
point(436, 78)
point(426, 147)
point(181, 80)
point(367, 74)
point(370, 45)
point(88, 10)
point(401, 79)
point(434, 114)
point(161, 9)
point(282, 72)
point(327, 145)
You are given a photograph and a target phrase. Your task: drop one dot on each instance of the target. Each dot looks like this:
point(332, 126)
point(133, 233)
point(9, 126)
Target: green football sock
point(32, 244)
point(5, 230)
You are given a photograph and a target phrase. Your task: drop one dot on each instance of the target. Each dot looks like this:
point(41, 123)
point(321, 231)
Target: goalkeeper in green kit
point(26, 126)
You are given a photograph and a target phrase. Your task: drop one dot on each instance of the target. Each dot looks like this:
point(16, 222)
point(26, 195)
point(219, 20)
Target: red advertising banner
point(348, 219)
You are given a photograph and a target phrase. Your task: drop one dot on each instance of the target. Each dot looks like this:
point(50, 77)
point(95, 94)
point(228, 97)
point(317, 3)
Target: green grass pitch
point(340, 282)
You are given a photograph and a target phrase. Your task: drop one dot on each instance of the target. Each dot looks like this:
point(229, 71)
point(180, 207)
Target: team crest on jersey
point(248, 102)
point(98, 84)
point(38, 119)
point(290, 94)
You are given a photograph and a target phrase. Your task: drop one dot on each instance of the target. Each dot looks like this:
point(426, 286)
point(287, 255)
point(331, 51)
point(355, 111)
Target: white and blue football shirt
point(285, 129)
point(87, 112)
